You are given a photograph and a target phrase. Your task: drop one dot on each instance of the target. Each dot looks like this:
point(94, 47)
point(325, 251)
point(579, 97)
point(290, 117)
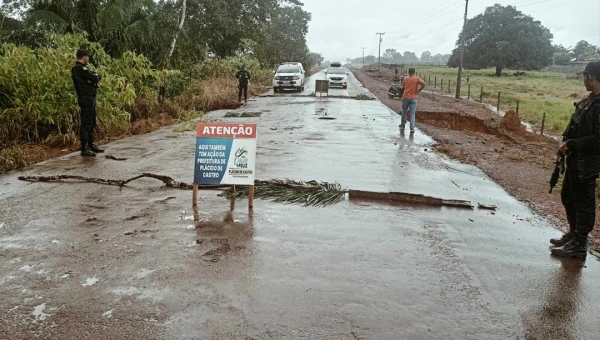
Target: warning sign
point(225, 154)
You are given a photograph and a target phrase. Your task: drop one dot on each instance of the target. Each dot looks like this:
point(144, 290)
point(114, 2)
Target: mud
point(511, 122)
point(454, 121)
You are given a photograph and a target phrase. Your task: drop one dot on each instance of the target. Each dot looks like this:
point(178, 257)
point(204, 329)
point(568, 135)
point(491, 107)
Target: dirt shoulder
point(519, 161)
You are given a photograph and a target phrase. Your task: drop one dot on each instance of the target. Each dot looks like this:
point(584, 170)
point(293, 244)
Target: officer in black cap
point(582, 151)
point(243, 77)
point(86, 84)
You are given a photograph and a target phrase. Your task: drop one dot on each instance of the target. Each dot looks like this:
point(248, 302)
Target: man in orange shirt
point(413, 85)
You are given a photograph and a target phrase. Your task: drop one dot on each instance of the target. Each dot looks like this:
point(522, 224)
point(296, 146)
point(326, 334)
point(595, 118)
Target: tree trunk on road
point(179, 28)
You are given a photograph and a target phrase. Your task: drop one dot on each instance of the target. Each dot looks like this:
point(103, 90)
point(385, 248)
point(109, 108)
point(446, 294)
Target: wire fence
point(415, 64)
point(574, 68)
point(448, 87)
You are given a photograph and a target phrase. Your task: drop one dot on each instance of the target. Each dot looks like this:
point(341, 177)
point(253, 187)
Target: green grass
point(12, 158)
point(538, 92)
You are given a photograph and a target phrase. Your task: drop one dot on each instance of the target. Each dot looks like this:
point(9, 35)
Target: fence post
point(481, 95)
point(429, 82)
point(518, 101)
point(442, 84)
point(448, 85)
point(543, 123)
point(498, 109)
point(435, 79)
point(469, 93)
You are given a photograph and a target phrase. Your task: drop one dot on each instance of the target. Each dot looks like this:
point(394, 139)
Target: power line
point(532, 3)
point(427, 21)
point(442, 9)
point(433, 30)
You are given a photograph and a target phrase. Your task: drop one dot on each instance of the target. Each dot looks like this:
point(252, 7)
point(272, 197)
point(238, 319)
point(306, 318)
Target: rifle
point(559, 169)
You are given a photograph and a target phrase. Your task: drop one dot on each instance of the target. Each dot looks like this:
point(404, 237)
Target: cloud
point(339, 28)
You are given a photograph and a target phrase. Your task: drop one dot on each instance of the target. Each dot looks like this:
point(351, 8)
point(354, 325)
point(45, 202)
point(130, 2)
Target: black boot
point(559, 242)
point(86, 152)
point(95, 148)
point(576, 248)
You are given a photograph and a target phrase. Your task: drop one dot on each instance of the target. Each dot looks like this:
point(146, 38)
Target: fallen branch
point(487, 206)
point(311, 193)
point(409, 198)
point(115, 158)
point(168, 181)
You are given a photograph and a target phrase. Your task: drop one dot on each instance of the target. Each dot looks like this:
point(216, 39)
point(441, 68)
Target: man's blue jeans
point(412, 105)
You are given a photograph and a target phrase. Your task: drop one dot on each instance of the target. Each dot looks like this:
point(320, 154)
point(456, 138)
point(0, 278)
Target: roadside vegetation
point(536, 91)
point(161, 63)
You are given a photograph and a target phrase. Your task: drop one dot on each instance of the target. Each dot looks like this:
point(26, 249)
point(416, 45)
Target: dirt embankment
point(518, 160)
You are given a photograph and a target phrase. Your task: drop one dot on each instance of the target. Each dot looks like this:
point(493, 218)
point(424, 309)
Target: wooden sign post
point(322, 86)
point(225, 154)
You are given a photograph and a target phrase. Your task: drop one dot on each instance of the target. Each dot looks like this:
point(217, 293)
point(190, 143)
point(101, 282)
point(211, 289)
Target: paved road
point(84, 261)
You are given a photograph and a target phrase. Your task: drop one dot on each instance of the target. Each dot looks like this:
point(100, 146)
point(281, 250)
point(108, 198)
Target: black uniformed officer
point(582, 150)
point(86, 85)
point(244, 77)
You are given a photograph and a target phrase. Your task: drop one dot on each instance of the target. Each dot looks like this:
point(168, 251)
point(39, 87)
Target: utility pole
point(462, 52)
point(380, 40)
point(363, 48)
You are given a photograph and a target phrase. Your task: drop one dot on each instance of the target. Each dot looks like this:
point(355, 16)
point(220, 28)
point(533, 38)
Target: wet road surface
point(354, 87)
point(86, 261)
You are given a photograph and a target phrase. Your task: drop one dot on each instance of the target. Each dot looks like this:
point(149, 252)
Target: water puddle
point(38, 312)
point(26, 268)
point(142, 294)
point(107, 314)
point(144, 272)
point(90, 281)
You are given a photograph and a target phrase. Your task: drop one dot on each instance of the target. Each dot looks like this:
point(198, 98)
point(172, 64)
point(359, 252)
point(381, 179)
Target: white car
point(289, 76)
point(337, 76)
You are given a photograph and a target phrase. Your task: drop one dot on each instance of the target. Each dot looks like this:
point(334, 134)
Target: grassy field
point(538, 92)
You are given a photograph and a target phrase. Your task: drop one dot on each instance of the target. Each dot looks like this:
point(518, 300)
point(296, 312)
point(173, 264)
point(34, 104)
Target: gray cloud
point(339, 28)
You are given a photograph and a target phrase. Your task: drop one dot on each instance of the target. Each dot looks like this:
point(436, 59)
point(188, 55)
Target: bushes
point(38, 103)
point(228, 67)
point(37, 96)
point(12, 158)
point(175, 83)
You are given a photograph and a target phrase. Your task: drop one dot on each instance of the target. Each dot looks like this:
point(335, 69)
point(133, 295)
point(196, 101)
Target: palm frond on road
point(311, 193)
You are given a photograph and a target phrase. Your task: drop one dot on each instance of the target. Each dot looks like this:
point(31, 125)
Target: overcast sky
point(339, 28)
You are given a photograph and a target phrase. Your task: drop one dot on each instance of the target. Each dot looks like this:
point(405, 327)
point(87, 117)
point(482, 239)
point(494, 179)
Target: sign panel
point(225, 154)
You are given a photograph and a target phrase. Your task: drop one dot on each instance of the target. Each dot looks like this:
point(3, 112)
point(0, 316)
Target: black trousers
point(243, 89)
point(87, 104)
point(579, 199)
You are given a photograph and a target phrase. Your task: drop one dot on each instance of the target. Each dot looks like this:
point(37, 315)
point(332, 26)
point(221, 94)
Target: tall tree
point(393, 56)
point(583, 50)
point(426, 56)
point(410, 57)
point(562, 55)
point(283, 38)
point(179, 28)
point(119, 25)
point(504, 37)
point(317, 59)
